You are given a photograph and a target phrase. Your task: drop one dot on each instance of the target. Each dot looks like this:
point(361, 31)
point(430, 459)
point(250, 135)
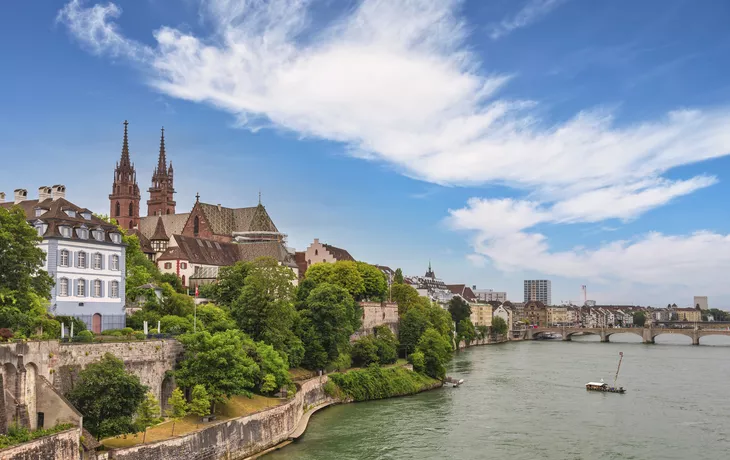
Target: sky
point(579, 141)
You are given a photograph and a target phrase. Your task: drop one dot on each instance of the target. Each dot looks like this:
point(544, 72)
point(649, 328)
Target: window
point(168, 265)
point(196, 226)
point(115, 262)
point(82, 259)
point(200, 243)
point(316, 252)
point(98, 235)
point(40, 229)
point(97, 261)
point(63, 287)
point(131, 209)
point(130, 190)
point(65, 232)
point(115, 289)
point(86, 215)
point(131, 225)
point(208, 243)
point(116, 237)
point(183, 266)
point(183, 280)
point(39, 211)
point(63, 260)
point(70, 212)
point(168, 211)
point(82, 233)
point(116, 209)
point(97, 288)
point(81, 288)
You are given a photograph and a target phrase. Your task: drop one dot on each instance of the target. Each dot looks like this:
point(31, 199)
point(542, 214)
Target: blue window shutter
point(109, 262)
point(101, 261)
point(87, 285)
point(74, 283)
point(109, 288)
point(101, 294)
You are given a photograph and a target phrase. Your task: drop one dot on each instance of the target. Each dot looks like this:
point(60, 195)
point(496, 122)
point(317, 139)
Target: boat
point(453, 382)
point(604, 387)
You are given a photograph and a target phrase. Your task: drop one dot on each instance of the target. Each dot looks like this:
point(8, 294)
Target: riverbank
point(378, 383)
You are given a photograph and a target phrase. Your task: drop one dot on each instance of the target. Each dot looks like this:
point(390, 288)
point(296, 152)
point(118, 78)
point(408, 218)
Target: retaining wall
point(234, 439)
point(60, 446)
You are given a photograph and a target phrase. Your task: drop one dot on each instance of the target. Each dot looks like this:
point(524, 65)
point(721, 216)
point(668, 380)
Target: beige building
point(688, 314)
point(321, 252)
point(481, 314)
point(557, 316)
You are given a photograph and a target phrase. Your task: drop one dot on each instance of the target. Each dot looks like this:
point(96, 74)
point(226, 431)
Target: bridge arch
point(672, 332)
point(637, 332)
point(714, 338)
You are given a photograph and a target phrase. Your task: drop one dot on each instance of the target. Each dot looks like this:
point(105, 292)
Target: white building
point(701, 301)
point(504, 313)
point(488, 295)
point(538, 290)
point(85, 257)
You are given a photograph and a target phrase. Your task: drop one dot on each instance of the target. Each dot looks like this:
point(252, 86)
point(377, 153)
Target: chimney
point(316, 241)
point(58, 191)
point(2, 197)
point(474, 287)
point(44, 193)
point(21, 194)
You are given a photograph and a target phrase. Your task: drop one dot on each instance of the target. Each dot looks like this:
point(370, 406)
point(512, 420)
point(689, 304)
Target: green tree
point(343, 273)
point(174, 281)
point(418, 361)
point(436, 353)
point(375, 284)
point(214, 319)
point(24, 285)
point(412, 326)
point(219, 363)
point(107, 396)
point(271, 363)
point(398, 278)
point(265, 309)
point(405, 296)
point(330, 317)
point(639, 318)
point(719, 315)
point(499, 325)
point(175, 325)
point(387, 345)
point(459, 309)
point(364, 352)
point(200, 404)
point(465, 331)
point(231, 281)
point(148, 414)
point(482, 331)
point(178, 407)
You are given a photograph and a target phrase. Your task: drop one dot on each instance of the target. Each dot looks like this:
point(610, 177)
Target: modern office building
point(538, 290)
point(701, 302)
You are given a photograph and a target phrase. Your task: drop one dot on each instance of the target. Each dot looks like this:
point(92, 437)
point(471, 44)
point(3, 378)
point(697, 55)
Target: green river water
point(527, 400)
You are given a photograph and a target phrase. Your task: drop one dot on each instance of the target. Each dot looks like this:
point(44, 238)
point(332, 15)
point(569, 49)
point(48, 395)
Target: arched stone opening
point(168, 385)
point(626, 337)
point(672, 338)
point(716, 340)
point(10, 382)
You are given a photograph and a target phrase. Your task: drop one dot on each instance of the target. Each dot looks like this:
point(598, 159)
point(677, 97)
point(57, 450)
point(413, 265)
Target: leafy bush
point(6, 334)
point(128, 331)
point(84, 336)
point(418, 361)
point(364, 352)
point(139, 335)
point(387, 345)
point(18, 435)
point(378, 383)
point(175, 325)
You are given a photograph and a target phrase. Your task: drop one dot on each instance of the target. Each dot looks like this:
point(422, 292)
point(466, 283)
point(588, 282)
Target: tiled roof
point(144, 242)
point(338, 253)
point(174, 224)
point(463, 290)
point(55, 216)
point(160, 233)
point(225, 221)
point(209, 252)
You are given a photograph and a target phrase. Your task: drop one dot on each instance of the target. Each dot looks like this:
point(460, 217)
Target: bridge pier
point(604, 336)
point(647, 335)
point(695, 337)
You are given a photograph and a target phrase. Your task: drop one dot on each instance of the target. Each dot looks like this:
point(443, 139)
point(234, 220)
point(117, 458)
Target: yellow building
point(688, 314)
point(557, 316)
point(481, 314)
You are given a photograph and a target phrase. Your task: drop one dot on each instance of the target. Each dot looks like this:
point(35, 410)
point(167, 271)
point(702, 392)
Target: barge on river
point(595, 386)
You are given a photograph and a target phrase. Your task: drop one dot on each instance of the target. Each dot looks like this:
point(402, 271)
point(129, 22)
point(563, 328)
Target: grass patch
point(237, 406)
point(18, 435)
point(299, 373)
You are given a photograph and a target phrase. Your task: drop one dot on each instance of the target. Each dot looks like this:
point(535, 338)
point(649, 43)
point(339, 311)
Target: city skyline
point(602, 164)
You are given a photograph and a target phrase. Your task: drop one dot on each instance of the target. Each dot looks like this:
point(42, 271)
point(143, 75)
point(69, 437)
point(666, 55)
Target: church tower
point(161, 200)
point(124, 199)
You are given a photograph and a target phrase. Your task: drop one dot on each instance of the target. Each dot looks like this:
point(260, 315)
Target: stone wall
point(234, 439)
point(54, 406)
point(376, 314)
point(60, 446)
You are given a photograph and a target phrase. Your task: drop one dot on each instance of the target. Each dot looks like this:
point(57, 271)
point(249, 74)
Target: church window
point(131, 209)
point(130, 190)
point(131, 224)
point(168, 211)
point(316, 252)
point(196, 226)
point(117, 210)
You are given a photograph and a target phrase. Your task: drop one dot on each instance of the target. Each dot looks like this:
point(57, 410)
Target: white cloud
point(533, 11)
point(477, 260)
point(393, 81)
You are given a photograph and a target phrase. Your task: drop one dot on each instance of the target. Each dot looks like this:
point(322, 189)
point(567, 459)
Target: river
point(526, 400)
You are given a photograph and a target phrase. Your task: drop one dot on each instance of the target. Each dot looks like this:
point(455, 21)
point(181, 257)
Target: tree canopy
point(459, 309)
point(108, 397)
point(398, 278)
point(436, 352)
point(499, 325)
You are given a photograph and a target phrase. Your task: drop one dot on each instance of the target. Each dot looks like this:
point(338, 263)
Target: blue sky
point(580, 141)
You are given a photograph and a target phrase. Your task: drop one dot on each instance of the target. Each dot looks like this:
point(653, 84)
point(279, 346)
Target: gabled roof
point(144, 242)
point(55, 217)
point(208, 252)
point(463, 290)
point(160, 233)
point(173, 223)
point(226, 221)
point(338, 253)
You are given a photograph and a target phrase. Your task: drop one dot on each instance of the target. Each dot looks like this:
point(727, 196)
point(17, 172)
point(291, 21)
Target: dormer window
point(82, 233)
point(65, 231)
point(86, 215)
point(70, 212)
point(98, 235)
point(116, 238)
point(41, 228)
point(40, 211)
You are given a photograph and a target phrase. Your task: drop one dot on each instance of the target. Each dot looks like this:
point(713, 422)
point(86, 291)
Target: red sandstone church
point(195, 244)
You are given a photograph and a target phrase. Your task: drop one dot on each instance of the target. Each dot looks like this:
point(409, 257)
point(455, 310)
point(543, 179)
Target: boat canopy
point(595, 384)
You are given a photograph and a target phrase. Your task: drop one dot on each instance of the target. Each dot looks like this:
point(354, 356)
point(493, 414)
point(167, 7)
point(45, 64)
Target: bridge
point(647, 334)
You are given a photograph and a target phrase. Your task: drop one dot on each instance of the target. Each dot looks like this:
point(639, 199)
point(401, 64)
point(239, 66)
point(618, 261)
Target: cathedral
point(193, 245)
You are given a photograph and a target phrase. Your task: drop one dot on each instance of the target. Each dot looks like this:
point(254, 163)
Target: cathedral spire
point(162, 161)
point(125, 148)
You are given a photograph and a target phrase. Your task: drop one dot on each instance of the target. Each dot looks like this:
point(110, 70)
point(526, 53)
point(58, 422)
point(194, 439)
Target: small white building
point(504, 313)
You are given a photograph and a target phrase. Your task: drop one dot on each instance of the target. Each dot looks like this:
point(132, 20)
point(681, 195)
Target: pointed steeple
point(162, 160)
point(160, 233)
point(125, 149)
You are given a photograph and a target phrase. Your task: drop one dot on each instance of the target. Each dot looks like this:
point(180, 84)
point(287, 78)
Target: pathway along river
point(527, 401)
